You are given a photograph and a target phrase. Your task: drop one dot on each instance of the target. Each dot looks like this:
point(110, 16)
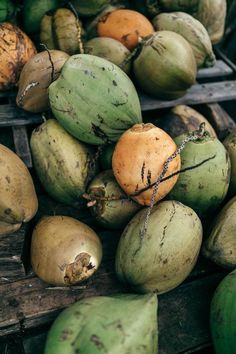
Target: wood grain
point(197, 94)
point(21, 142)
point(11, 265)
point(182, 318)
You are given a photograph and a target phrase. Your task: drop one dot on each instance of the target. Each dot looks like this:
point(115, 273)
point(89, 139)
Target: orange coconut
point(16, 48)
point(138, 161)
point(126, 26)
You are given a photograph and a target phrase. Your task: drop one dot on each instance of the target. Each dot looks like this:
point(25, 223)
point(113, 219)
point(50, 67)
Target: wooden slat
point(218, 70)
point(11, 115)
point(184, 315)
point(183, 318)
point(221, 68)
point(11, 265)
point(11, 93)
point(197, 94)
point(21, 142)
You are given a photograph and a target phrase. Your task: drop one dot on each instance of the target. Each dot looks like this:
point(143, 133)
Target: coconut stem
point(195, 135)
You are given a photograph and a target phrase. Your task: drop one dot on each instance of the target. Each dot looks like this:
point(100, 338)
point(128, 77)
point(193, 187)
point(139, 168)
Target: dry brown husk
point(16, 48)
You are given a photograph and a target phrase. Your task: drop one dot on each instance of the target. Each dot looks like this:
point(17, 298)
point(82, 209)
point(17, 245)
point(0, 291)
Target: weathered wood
point(12, 345)
point(183, 318)
point(224, 57)
point(218, 70)
point(197, 94)
point(219, 119)
point(11, 115)
point(35, 344)
point(22, 144)
point(11, 265)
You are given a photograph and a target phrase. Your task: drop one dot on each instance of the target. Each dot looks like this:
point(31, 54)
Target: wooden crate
point(28, 305)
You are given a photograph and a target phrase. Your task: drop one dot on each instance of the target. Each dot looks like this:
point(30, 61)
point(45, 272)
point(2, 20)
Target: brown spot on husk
point(97, 341)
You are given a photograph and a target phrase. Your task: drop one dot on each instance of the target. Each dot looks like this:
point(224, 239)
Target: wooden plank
point(183, 318)
point(197, 94)
point(35, 344)
point(6, 94)
point(219, 119)
point(21, 142)
point(11, 265)
point(218, 70)
point(224, 57)
point(12, 345)
point(11, 115)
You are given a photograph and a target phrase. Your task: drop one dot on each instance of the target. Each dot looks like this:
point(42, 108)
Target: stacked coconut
point(156, 183)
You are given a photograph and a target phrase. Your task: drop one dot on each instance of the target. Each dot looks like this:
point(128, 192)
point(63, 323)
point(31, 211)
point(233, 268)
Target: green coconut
point(89, 8)
point(192, 30)
point(34, 11)
point(7, 10)
point(94, 100)
point(162, 258)
point(223, 316)
point(205, 176)
point(111, 206)
point(63, 164)
point(110, 49)
point(165, 67)
point(122, 323)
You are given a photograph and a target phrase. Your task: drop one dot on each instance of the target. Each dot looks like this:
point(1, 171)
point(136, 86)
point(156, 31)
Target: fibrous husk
point(16, 48)
point(110, 205)
point(64, 251)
